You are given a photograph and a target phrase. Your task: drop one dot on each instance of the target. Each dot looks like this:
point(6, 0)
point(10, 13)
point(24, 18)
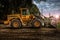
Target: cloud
point(50, 6)
point(37, 1)
point(53, 1)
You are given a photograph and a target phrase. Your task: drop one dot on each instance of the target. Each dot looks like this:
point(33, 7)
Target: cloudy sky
point(49, 6)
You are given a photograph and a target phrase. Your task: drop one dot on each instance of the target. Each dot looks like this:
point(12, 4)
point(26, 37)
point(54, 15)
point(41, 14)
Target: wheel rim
point(37, 24)
point(15, 24)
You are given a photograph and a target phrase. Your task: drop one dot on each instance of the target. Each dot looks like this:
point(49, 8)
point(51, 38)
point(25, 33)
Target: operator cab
point(24, 11)
point(25, 14)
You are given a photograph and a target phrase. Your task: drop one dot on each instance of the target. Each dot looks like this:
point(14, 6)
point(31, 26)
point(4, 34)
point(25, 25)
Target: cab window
point(24, 12)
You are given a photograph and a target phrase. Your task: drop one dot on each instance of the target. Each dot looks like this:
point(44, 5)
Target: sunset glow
point(57, 16)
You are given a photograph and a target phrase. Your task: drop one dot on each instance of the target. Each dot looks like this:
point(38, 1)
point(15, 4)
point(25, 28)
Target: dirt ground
point(29, 34)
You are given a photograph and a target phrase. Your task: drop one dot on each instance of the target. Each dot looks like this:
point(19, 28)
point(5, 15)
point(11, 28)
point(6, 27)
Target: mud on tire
point(16, 23)
point(36, 23)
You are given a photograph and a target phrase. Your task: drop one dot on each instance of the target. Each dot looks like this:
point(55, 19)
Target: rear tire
point(16, 23)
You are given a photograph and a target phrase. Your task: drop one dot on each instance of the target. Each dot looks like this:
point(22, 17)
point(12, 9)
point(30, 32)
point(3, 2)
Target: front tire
point(36, 23)
point(16, 23)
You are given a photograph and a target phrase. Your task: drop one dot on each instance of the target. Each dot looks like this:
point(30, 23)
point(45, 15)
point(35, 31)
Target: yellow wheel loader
point(23, 19)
